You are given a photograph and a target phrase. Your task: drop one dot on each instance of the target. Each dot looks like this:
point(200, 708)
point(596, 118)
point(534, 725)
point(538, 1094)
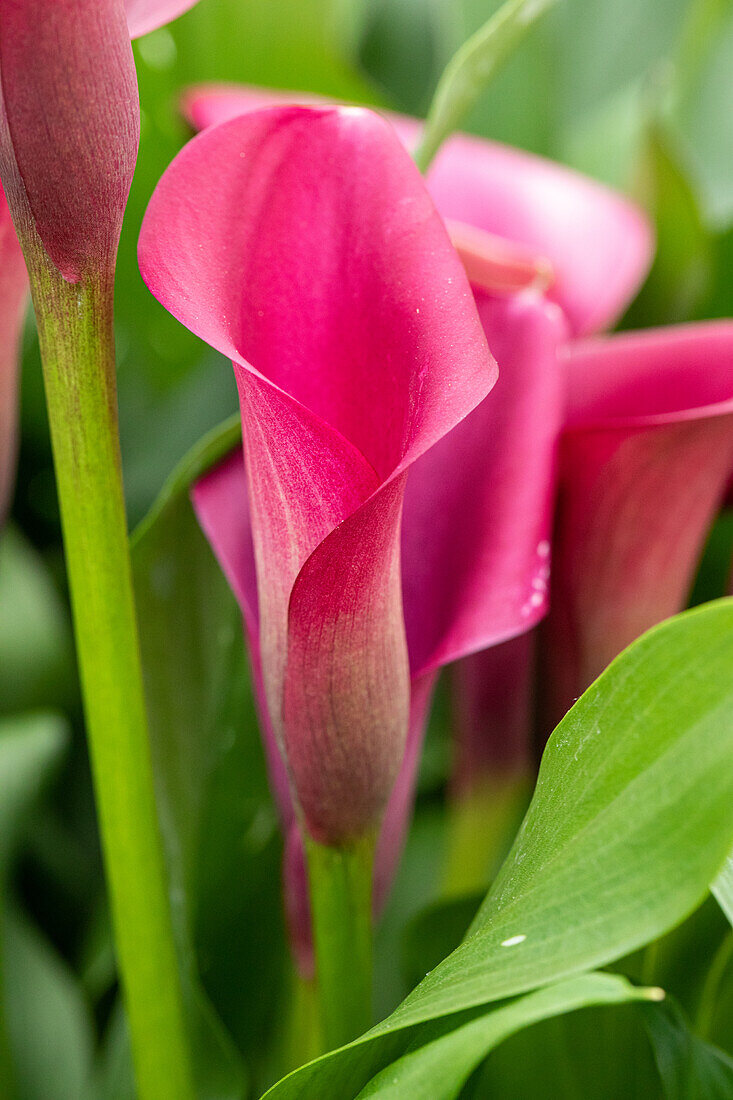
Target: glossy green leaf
point(438, 1069)
point(631, 820)
point(471, 69)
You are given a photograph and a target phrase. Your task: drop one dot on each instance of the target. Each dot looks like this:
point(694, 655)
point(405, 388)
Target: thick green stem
point(301, 1038)
point(77, 349)
point(340, 882)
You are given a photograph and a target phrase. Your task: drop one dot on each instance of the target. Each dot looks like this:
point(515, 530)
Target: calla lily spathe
point(646, 455)
point(302, 244)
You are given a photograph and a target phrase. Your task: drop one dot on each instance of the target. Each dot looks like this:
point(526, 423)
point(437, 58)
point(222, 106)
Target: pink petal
point(205, 105)
point(221, 502)
point(70, 126)
point(347, 687)
point(13, 294)
point(598, 244)
point(391, 838)
point(147, 15)
point(644, 464)
point(478, 507)
point(303, 244)
point(550, 210)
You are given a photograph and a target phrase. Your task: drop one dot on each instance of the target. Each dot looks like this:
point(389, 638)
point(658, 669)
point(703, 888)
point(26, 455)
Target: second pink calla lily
point(646, 455)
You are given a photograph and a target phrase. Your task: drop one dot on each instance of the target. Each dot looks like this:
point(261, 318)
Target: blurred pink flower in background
point(646, 455)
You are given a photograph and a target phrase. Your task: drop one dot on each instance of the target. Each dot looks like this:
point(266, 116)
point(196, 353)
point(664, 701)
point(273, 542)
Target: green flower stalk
point(69, 130)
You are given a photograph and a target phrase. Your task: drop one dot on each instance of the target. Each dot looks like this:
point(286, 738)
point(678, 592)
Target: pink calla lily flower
point(302, 244)
point(646, 454)
point(13, 294)
point(68, 84)
point(592, 246)
point(473, 547)
point(515, 220)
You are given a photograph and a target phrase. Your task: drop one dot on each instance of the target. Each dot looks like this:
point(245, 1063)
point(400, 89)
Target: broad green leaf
point(723, 888)
point(471, 69)
point(49, 1022)
point(596, 1053)
point(690, 1069)
point(438, 1069)
point(190, 637)
point(36, 654)
point(631, 820)
point(218, 824)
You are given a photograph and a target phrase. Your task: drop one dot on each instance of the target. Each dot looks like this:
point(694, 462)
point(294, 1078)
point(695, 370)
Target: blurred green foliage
point(635, 92)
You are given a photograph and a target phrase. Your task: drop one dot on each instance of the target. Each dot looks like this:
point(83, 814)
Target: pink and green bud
point(70, 124)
